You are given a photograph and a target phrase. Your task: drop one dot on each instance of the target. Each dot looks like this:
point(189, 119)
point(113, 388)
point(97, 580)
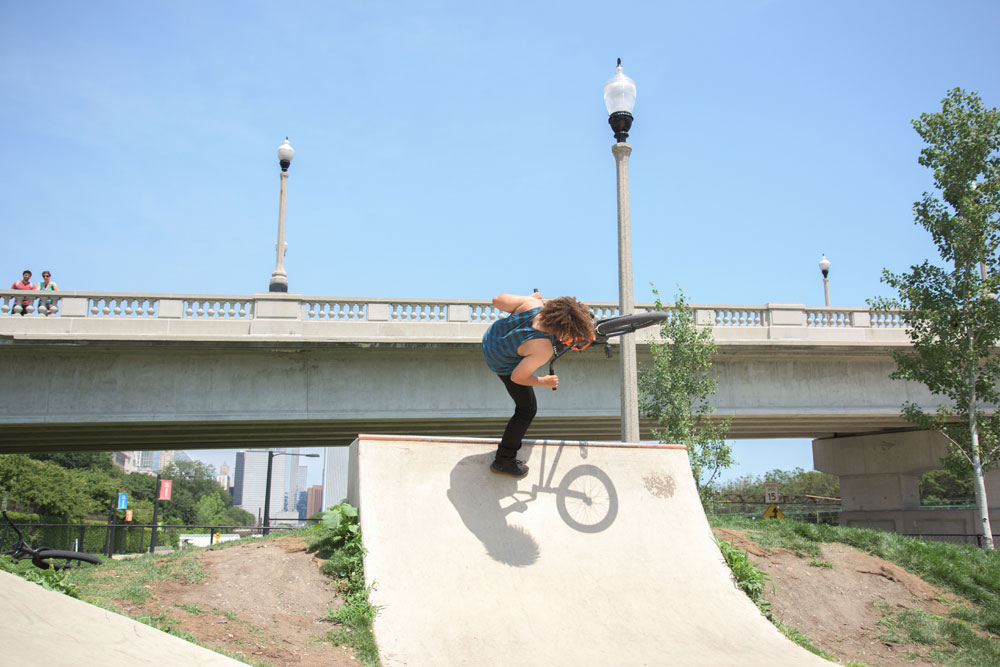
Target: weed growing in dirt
point(816, 562)
point(965, 570)
point(753, 582)
point(749, 579)
point(50, 580)
point(338, 538)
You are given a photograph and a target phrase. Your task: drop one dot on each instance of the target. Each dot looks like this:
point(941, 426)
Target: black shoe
point(513, 467)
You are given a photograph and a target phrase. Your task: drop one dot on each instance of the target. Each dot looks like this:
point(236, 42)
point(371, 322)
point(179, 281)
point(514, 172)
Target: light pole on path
point(619, 98)
point(267, 486)
point(824, 267)
point(279, 279)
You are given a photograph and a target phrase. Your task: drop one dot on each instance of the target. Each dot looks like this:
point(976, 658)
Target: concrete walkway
point(40, 627)
point(600, 556)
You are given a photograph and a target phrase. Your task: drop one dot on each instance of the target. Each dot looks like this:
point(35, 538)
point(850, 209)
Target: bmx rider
point(518, 345)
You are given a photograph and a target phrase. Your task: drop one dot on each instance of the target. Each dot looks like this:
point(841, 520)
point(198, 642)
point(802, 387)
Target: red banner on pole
point(128, 515)
point(165, 485)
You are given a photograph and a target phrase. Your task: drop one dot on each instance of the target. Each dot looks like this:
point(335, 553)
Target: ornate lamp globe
point(285, 154)
point(619, 98)
point(824, 266)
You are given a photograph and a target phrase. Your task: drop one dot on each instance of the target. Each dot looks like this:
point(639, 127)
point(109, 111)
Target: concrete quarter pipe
point(600, 556)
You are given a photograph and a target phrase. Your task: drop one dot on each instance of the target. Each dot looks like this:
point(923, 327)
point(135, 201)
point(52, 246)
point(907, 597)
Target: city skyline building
point(251, 482)
point(314, 500)
point(291, 479)
point(147, 462)
point(335, 476)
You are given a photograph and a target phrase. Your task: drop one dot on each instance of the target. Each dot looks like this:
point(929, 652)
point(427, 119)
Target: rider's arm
point(513, 303)
point(535, 352)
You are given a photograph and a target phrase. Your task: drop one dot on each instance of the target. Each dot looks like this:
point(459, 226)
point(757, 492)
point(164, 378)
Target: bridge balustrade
point(345, 310)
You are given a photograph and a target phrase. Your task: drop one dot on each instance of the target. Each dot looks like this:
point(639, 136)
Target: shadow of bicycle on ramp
point(585, 496)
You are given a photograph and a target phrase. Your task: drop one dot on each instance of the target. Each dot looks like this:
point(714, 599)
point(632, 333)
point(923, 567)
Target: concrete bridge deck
point(161, 371)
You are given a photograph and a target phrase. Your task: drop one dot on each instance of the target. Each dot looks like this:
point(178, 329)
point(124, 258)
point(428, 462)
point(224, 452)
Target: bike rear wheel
point(72, 558)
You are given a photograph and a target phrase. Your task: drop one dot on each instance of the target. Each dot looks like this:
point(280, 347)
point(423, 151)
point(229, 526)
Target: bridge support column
point(879, 477)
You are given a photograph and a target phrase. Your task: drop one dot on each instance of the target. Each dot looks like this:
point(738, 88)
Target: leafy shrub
point(749, 579)
point(50, 579)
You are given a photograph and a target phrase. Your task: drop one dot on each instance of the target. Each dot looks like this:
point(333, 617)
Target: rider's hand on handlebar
point(549, 381)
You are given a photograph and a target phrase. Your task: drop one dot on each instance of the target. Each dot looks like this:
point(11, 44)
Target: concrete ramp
point(600, 556)
point(40, 627)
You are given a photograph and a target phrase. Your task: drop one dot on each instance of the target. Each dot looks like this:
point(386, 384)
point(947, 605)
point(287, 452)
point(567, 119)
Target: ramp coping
point(494, 441)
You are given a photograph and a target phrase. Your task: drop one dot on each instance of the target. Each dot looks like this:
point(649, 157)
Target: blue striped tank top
point(501, 340)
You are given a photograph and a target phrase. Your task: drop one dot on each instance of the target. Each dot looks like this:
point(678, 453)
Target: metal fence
point(807, 512)
point(129, 538)
point(952, 538)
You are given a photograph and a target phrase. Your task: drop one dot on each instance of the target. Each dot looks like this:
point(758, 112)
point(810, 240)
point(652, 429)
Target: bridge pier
point(879, 482)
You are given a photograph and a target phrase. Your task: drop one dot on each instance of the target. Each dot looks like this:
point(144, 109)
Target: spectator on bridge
point(24, 284)
point(515, 347)
point(47, 285)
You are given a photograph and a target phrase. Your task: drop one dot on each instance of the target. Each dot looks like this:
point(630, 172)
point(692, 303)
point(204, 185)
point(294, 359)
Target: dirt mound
point(260, 601)
point(838, 599)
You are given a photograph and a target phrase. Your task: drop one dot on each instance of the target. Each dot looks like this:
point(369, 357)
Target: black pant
point(525, 408)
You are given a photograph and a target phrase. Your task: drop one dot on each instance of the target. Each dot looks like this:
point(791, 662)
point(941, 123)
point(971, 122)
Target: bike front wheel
point(617, 326)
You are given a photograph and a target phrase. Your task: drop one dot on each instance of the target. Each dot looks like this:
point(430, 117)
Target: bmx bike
point(41, 556)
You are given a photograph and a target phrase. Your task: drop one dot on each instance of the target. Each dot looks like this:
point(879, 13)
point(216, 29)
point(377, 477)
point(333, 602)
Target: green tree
point(951, 312)
point(210, 510)
point(797, 482)
point(43, 487)
point(946, 486)
point(237, 516)
point(675, 389)
point(78, 460)
point(192, 481)
point(197, 499)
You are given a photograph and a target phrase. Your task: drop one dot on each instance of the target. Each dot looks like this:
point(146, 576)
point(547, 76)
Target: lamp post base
point(277, 287)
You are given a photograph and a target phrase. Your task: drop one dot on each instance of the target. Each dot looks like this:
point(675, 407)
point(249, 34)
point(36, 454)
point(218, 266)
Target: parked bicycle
point(41, 556)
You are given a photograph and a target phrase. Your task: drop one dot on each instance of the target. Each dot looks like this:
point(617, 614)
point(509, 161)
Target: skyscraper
point(314, 500)
point(335, 476)
point(251, 482)
point(291, 480)
point(300, 497)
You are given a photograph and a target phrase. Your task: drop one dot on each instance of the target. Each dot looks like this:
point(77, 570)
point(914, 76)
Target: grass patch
point(338, 538)
point(127, 579)
point(964, 570)
point(191, 608)
point(816, 562)
point(952, 642)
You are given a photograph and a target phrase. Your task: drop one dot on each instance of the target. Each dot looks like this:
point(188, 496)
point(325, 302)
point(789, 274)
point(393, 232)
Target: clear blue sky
point(457, 149)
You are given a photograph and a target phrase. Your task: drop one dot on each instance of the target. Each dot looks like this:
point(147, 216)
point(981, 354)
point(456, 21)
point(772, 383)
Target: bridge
point(161, 371)
point(116, 371)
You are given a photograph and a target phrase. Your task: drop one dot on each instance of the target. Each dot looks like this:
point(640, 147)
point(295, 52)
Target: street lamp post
point(824, 267)
point(619, 98)
point(279, 279)
point(267, 486)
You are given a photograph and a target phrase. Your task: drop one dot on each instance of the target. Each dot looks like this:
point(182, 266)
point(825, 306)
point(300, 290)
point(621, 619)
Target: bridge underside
point(158, 395)
point(118, 436)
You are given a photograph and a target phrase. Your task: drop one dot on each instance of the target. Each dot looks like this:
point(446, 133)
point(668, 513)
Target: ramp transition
point(600, 556)
point(41, 627)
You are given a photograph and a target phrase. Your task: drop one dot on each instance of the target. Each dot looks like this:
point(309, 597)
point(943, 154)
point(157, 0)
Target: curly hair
point(567, 318)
